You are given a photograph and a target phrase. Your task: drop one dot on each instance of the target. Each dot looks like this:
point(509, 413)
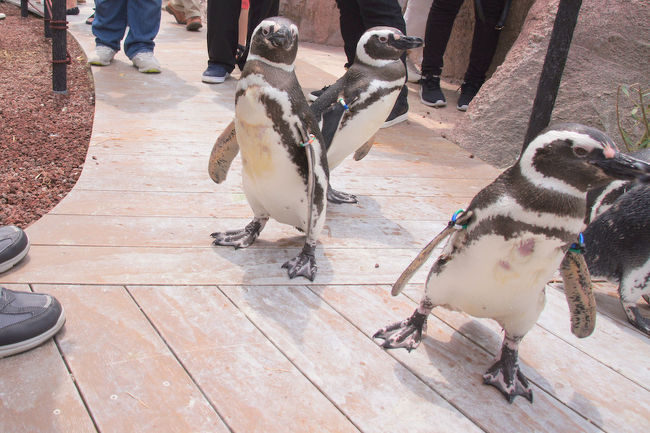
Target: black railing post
point(24, 11)
point(47, 17)
point(59, 47)
point(556, 55)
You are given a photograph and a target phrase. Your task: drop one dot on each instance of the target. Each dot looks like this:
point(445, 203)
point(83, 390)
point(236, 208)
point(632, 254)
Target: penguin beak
point(405, 42)
point(281, 38)
point(625, 167)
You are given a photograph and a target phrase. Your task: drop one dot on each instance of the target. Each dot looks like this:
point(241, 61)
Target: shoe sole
point(395, 121)
point(193, 27)
point(311, 98)
point(438, 104)
point(462, 107)
point(214, 80)
point(14, 261)
point(22, 346)
point(150, 71)
point(99, 63)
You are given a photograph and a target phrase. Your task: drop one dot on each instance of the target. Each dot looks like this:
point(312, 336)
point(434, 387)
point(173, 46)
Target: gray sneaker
point(13, 246)
point(27, 320)
point(103, 56)
point(146, 62)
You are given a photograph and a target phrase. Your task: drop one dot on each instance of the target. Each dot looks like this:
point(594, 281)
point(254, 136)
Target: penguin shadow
point(609, 304)
point(365, 224)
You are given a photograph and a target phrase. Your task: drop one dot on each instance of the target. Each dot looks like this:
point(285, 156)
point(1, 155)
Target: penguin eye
point(265, 31)
point(383, 39)
point(580, 151)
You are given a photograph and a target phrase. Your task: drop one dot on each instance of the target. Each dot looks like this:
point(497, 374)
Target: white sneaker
point(103, 56)
point(146, 62)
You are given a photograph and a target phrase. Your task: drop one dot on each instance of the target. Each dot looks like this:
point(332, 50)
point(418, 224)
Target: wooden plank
point(129, 378)
point(451, 364)
point(252, 385)
point(623, 349)
point(37, 394)
point(377, 393)
point(559, 368)
point(89, 230)
point(205, 266)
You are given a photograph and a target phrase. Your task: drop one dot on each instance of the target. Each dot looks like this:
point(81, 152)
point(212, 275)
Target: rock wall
point(610, 46)
point(317, 20)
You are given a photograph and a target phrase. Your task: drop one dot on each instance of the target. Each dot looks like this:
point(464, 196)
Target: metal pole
point(24, 12)
point(59, 47)
point(556, 55)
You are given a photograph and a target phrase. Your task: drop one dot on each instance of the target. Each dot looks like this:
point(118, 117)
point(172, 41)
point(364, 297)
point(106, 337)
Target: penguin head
point(574, 158)
point(381, 45)
point(275, 39)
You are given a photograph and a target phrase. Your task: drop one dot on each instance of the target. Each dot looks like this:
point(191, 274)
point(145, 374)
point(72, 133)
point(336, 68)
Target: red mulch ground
point(44, 136)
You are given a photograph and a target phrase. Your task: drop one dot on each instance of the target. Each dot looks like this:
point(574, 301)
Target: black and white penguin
point(284, 164)
point(518, 230)
point(354, 108)
point(617, 241)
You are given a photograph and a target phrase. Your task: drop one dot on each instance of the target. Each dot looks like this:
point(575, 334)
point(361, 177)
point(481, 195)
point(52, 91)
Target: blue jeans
point(113, 16)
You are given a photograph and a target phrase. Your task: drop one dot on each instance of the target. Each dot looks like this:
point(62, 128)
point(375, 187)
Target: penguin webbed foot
point(239, 238)
point(304, 264)
point(339, 197)
point(636, 318)
point(405, 334)
point(506, 376)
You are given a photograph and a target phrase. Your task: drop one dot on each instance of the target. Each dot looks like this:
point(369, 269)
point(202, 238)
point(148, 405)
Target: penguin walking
point(514, 234)
point(617, 241)
point(284, 165)
point(354, 108)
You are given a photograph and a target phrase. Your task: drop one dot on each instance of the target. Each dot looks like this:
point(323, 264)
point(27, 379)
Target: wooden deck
point(166, 333)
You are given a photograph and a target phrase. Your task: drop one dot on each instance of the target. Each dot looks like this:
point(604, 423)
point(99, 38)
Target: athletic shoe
point(430, 91)
point(178, 15)
point(400, 110)
point(316, 94)
point(215, 73)
point(103, 56)
point(72, 11)
point(146, 63)
point(27, 320)
point(13, 246)
point(467, 92)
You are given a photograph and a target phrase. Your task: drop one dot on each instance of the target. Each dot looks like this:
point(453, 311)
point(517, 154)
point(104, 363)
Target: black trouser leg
point(222, 34)
point(484, 42)
point(259, 10)
point(439, 24)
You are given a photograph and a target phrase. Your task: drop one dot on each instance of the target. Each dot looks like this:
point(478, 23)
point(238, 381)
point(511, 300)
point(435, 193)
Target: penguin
point(284, 163)
point(617, 241)
point(353, 109)
point(515, 232)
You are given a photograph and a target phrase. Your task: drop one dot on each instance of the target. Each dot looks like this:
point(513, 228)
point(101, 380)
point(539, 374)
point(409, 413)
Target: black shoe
point(26, 320)
point(13, 246)
point(316, 93)
point(467, 92)
point(72, 11)
point(430, 91)
point(400, 110)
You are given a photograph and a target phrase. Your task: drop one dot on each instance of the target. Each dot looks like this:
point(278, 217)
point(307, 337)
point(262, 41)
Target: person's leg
point(144, 23)
point(258, 10)
point(109, 24)
point(485, 40)
point(352, 27)
point(439, 24)
point(223, 18)
point(192, 8)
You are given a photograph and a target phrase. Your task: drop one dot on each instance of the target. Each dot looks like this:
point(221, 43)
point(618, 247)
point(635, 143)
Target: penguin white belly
point(271, 180)
point(498, 278)
point(357, 131)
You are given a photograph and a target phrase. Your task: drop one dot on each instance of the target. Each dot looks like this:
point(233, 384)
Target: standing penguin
point(354, 108)
point(617, 241)
point(514, 234)
point(284, 166)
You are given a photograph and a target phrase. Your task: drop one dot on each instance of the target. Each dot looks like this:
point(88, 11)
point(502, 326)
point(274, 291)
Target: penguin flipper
point(331, 119)
point(363, 150)
point(578, 292)
point(224, 151)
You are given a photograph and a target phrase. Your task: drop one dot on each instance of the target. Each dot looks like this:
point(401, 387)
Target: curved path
point(167, 333)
